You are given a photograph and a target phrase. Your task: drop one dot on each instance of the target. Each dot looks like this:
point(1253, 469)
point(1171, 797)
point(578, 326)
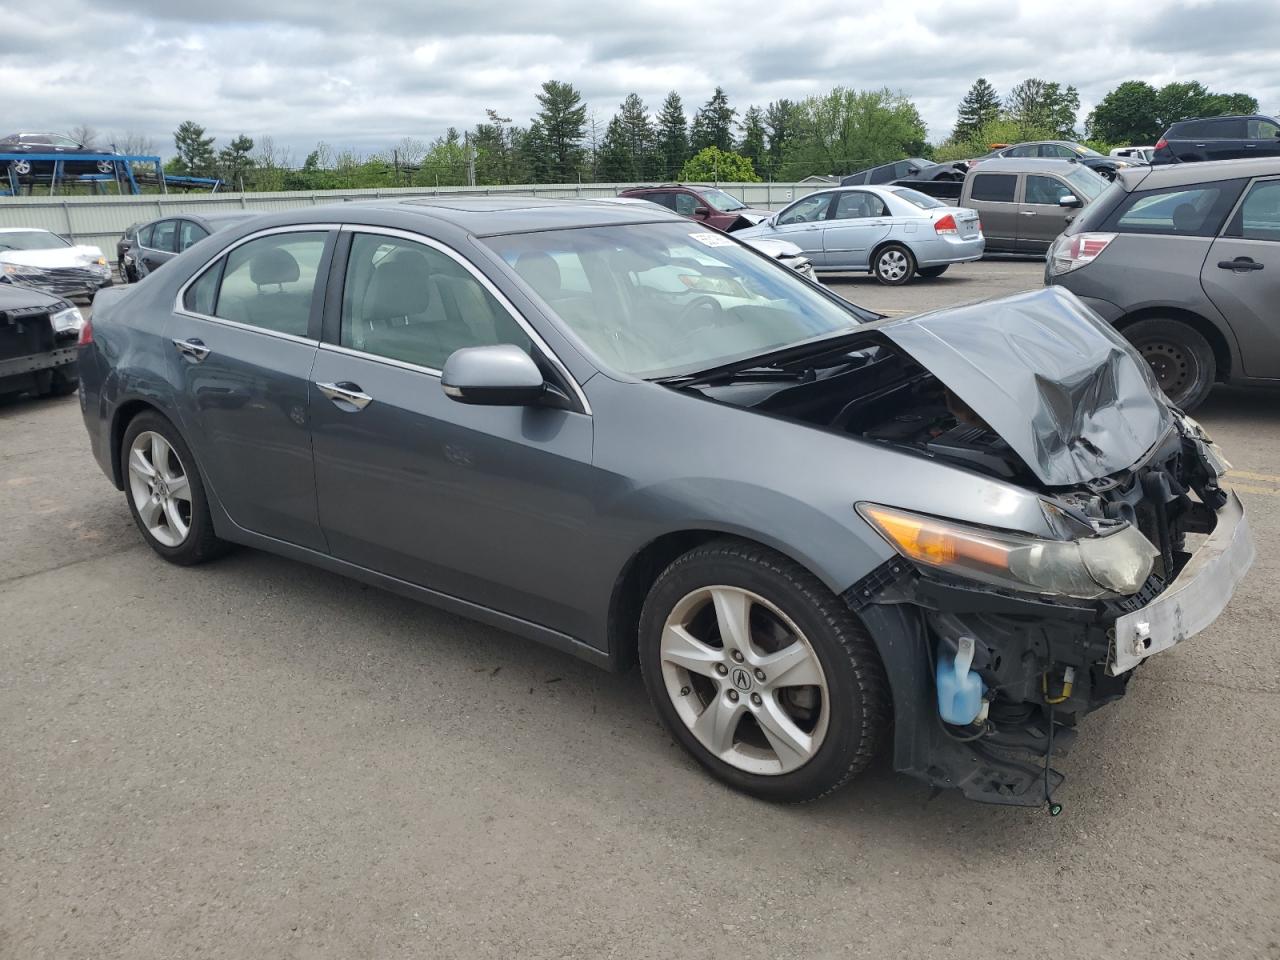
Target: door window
point(1045, 190)
point(859, 205)
point(1027, 150)
point(1182, 211)
point(270, 282)
point(1232, 129)
point(144, 235)
point(164, 236)
point(686, 203)
point(1259, 215)
point(190, 232)
point(994, 187)
point(1263, 130)
point(410, 302)
point(807, 210)
point(882, 174)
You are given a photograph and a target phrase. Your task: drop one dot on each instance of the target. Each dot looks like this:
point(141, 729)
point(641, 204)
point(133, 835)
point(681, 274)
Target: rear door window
point(859, 205)
point(663, 198)
point(1259, 216)
point(1232, 129)
point(165, 236)
point(1189, 211)
point(190, 232)
point(994, 187)
point(270, 282)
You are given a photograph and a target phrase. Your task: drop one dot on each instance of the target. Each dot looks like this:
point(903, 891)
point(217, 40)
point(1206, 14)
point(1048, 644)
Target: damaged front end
point(997, 637)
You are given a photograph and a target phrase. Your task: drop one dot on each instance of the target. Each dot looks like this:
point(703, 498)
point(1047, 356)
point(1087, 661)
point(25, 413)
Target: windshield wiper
point(755, 374)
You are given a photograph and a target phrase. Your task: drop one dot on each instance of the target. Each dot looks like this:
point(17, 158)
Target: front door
point(802, 223)
point(1040, 217)
point(859, 221)
point(1241, 275)
point(474, 502)
point(241, 352)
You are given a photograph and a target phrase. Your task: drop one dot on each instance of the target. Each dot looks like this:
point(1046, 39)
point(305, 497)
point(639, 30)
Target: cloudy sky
point(363, 75)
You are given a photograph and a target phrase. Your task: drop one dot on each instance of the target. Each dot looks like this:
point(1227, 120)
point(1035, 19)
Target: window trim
point(347, 231)
point(329, 229)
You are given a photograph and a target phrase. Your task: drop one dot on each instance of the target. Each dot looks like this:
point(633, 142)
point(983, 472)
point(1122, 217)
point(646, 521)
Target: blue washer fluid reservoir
point(959, 689)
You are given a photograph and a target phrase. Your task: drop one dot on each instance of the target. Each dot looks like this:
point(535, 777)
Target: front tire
point(1180, 357)
point(894, 265)
point(762, 673)
point(166, 492)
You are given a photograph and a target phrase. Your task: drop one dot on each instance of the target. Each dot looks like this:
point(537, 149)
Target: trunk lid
point(1059, 384)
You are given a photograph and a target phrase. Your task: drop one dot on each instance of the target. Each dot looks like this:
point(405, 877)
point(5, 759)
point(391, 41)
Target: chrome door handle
point(1027, 213)
point(192, 348)
point(347, 393)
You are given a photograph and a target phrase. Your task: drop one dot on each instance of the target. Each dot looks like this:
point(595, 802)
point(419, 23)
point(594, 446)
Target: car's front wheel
point(166, 492)
point(1180, 357)
point(761, 672)
point(894, 265)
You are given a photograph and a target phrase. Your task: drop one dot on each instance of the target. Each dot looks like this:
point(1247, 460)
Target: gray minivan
point(1026, 203)
point(1183, 260)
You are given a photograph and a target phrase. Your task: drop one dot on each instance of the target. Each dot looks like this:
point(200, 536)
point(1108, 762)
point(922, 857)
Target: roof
point(1026, 165)
point(1179, 174)
point(24, 230)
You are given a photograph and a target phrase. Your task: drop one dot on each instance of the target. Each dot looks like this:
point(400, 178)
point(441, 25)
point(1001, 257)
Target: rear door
point(855, 225)
point(1040, 217)
point(243, 341)
point(1241, 275)
point(994, 196)
point(803, 222)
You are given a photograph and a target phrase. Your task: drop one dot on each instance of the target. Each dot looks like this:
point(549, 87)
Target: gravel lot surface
point(258, 759)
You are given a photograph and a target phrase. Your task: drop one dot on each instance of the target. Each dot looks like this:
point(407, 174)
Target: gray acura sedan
point(606, 429)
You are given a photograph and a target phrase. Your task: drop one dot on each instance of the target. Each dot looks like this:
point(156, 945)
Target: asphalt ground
point(258, 759)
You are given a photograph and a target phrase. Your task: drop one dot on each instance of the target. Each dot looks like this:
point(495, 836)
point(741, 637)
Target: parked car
point(145, 247)
point(1138, 154)
point(710, 205)
point(1183, 260)
point(1218, 138)
point(38, 335)
point(635, 440)
point(52, 143)
point(1025, 204)
point(894, 233)
point(912, 168)
point(40, 259)
point(1059, 150)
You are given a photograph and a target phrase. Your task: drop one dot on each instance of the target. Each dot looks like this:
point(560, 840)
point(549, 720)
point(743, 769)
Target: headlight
point(10, 268)
point(67, 320)
point(1087, 569)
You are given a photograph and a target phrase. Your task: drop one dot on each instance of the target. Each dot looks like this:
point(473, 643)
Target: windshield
point(921, 200)
point(722, 201)
point(31, 240)
point(1086, 183)
point(665, 299)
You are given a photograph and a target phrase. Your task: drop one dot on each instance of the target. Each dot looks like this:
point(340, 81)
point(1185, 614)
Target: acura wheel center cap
point(741, 679)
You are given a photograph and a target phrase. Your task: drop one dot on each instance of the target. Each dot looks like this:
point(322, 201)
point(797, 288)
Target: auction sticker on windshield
point(711, 239)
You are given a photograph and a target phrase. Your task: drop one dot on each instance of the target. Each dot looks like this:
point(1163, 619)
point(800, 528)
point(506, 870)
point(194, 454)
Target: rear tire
point(174, 519)
point(63, 384)
point(930, 272)
point(1180, 357)
point(797, 709)
point(894, 265)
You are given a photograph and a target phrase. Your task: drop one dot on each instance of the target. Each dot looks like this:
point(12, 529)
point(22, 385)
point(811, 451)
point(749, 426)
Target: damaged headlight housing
point(1090, 568)
point(66, 320)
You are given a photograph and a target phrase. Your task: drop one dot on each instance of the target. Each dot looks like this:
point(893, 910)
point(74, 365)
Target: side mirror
point(501, 375)
point(700, 211)
point(1070, 200)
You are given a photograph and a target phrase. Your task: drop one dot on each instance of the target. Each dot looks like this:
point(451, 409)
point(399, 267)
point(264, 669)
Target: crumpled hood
point(54, 257)
point(1059, 384)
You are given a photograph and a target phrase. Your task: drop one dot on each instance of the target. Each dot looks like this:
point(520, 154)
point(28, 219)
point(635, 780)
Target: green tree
point(781, 121)
point(1042, 109)
point(672, 137)
point(714, 164)
point(845, 130)
point(234, 161)
point(562, 122)
point(497, 151)
point(752, 144)
point(195, 150)
point(535, 153)
point(615, 162)
point(1126, 115)
point(980, 106)
point(713, 124)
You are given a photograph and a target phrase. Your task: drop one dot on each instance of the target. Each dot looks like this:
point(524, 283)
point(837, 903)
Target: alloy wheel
point(160, 488)
point(893, 265)
point(745, 680)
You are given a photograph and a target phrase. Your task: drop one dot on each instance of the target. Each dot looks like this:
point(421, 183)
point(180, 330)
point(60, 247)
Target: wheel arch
point(125, 414)
point(890, 242)
point(1223, 352)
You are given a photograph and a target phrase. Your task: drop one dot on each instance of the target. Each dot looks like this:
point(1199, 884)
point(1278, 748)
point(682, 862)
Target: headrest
point(400, 287)
point(540, 270)
point(273, 266)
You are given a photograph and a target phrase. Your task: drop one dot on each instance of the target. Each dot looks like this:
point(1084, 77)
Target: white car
point(40, 259)
point(1137, 154)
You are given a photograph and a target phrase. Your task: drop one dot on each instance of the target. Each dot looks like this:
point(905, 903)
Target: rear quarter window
point(1196, 210)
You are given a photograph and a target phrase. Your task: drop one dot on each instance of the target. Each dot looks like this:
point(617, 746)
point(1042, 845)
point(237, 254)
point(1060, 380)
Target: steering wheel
point(684, 319)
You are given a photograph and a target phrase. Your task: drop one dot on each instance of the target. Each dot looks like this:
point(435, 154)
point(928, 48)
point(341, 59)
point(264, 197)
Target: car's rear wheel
point(166, 493)
point(894, 265)
point(762, 673)
point(931, 272)
point(106, 166)
point(21, 167)
point(63, 383)
point(126, 275)
point(1180, 357)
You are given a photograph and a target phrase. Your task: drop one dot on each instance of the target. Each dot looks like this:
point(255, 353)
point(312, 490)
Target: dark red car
point(697, 201)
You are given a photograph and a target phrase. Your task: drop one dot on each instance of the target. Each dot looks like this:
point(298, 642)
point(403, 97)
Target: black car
point(38, 334)
point(145, 247)
point(910, 169)
point(52, 143)
point(1219, 138)
point(1062, 150)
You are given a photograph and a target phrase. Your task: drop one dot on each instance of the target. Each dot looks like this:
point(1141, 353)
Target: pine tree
point(713, 124)
point(563, 121)
point(195, 150)
point(781, 123)
point(980, 106)
point(752, 143)
point(673, 137)
point(640, 137)
point(234, 161)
